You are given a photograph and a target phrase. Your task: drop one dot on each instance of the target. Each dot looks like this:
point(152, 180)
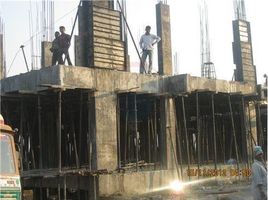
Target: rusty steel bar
point(59, 129)
point(214, 130)
point(136, 131)
point(197, 132)
point(233, 130)
point(186, 134)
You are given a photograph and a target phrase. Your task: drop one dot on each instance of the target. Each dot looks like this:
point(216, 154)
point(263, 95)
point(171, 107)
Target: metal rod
point(233, 130)
point(250, 133)
point(136, 130)
point(246, 135)
point(80, 127)
point(59, 129)
point(89, 138)
point(39, 133)
point(197, 132)
point(64, 188)
point(132, 38)
point(149, 139)
point(186, 134)
point(178, 136)
point(155, 131)
point(259, 126)
point(171, 141)
point(76, 16)
point(22, 48)
point(21, 133)
point(59, 188)
point(126, 131)
point(214, 130)
point(118, 132)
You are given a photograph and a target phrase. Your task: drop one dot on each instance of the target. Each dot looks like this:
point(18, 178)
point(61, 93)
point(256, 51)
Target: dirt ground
point(214, 191)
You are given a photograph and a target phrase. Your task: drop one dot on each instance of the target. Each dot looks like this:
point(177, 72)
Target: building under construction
point(96, 130)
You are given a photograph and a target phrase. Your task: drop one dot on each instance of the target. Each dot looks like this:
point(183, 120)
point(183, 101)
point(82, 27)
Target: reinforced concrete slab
point(105, 80)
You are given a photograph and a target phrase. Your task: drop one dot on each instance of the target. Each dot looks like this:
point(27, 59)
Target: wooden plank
point(104, 15)
point(104, 30)
point(108, 46)
point(106, 56)
point(109, 66)
point(108, 11)
point(111, 42)
point(106, 21)
point(109, 61)
point(106, 35)
point(107, 26)
point(108, 51)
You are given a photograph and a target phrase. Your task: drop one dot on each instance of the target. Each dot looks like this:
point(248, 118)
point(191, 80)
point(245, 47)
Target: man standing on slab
point(147, 42)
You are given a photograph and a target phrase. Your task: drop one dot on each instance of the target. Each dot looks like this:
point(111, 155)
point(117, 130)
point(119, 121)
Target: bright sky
point(185, 32)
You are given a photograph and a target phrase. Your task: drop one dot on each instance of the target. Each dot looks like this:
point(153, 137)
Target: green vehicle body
point(10, 186)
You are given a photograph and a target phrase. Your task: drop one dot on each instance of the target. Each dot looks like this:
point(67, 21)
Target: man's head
point(62, 29)
point(258, 153)
point(148, 29)
point(57, 33)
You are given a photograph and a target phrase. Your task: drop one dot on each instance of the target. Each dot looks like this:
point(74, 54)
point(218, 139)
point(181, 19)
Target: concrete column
point(106, 131)
point(2, 62)
point(171, 135)
point(164, 46)
point(46, 54)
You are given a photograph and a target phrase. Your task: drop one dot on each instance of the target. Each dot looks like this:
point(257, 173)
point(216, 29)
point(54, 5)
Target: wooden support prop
point(197, 132)
point(118, 132)
point(59, 130)
point(214, 130)
point(126, 132)
point(233, 130)
point(39, 133)
point(178, 136)
point(136, 131)
point(186, 134)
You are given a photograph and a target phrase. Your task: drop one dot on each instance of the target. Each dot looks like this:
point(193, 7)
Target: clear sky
point(184, 24)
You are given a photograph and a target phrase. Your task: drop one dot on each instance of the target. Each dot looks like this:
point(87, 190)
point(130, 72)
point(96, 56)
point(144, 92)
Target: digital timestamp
point(207, 172)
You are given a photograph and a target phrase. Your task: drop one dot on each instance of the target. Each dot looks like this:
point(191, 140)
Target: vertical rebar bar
point(233, 130)
point(214, 130)
point(64, 188)
point(80, 127)
point(39, 133)
point(185, 132)
point(178, 136)
point(126, 132)
point(59, 129)
point(118, 132)
point(136, 131)
point(197, 132)
point(245, 127)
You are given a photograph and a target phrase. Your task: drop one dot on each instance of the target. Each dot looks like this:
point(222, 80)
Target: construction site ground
point(239, 190)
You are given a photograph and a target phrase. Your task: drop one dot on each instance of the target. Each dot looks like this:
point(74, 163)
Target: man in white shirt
point(147, 42)
point(259, 176)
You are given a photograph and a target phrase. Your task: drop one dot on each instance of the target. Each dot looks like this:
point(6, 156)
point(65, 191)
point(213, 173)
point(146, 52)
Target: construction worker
point(147, 42)
point(55, 49)
point(64, 44)
point(259, 176)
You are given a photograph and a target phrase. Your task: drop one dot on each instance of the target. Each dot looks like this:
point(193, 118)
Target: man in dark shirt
point(64, 44)
point(55, 49)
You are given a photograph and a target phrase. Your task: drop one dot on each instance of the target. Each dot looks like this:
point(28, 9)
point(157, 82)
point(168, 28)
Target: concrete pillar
point(46, 54)
point(106, 131)
point(164, 46)
point(242, 52)
point(171, 135)
point(2, 62)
